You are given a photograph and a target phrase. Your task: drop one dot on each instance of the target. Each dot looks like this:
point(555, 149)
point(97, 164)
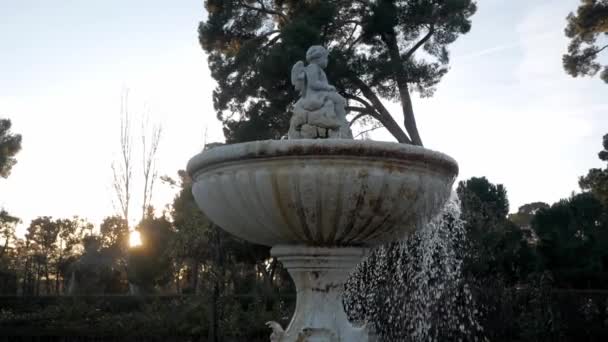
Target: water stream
point(413, 290)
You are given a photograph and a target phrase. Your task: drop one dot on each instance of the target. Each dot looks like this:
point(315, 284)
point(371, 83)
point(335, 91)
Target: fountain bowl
point(324, 192)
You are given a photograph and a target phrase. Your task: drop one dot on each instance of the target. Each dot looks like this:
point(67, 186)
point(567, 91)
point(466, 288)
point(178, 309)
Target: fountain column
point(319, 274)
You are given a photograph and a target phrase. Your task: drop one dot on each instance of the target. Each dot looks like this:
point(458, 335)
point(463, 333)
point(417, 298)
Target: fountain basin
point(321, 192)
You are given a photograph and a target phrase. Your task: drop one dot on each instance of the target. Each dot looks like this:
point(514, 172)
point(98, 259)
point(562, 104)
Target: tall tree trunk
point(57, 278)
point(409, 121)
point(384, 116)
point(3, 250)
point(194, 275)
point(26, 277)
point(214, 316)
point(216, 311)
point(37, 282)
point(47, 279)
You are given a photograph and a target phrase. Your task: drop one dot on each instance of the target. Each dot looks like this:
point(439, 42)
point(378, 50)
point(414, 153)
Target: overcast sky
point(506, 110)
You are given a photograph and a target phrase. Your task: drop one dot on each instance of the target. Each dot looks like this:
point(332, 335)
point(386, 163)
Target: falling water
point(414, 290)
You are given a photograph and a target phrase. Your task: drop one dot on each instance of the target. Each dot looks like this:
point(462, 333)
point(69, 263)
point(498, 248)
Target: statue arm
point(314, 81)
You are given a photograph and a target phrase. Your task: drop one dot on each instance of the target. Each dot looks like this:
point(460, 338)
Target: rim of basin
point(268, 149)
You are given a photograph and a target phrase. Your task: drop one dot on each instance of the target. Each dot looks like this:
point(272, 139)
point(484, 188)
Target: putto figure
point(320, 112)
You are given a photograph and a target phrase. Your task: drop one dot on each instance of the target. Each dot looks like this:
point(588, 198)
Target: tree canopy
point(584, 27)
point(381, 49)
point(483, 203)
point(498, 247)
point(573, 241)
point(596, 179)
point(149, 264)
point(7, 229)
point(10, 145)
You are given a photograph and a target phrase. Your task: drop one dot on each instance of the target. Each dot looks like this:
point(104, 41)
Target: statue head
point(318, 55)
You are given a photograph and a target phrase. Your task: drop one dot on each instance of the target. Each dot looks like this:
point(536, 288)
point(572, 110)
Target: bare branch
point(122, 174)
point(149, 162)
point(368, 130)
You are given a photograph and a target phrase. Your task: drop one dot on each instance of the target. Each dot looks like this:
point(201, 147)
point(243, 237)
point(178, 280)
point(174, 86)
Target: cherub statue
point(277, 331)
point(320, 112)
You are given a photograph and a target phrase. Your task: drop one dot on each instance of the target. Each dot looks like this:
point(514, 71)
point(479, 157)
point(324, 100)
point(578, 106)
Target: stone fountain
point(320, 199)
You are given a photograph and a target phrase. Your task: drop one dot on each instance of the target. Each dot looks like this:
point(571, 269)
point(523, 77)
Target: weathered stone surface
point(321, 192)
point(324, 202)
point(319, 275)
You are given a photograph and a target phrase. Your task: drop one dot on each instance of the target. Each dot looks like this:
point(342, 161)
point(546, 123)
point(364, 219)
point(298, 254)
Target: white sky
point(506, 110)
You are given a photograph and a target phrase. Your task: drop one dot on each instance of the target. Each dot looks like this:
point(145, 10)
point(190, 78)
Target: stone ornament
point(320, 111)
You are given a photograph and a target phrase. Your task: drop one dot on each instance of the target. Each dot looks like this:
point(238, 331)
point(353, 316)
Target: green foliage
point(525, 214)
point(7, 230)
point(191, 225)
point(50, 247)
point(378, 49)
point(149, 264)
point(596, 179)
point(219, 266)
point(498, 247)
point(484, 204)
point(166, 318)
point(114, 234)
point(573, 236)
point(8, 269)
point(584, 28)
point(10, 145)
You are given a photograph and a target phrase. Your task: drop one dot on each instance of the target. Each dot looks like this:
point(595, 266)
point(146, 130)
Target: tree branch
point(367, 131)
point(384, 116)
point(263, 9)
point(420, 42)
point(358, 99)
point(600, 50)
point(409, 121)
point(268, 34)
point(272, 41)
point(362, 112)
point(354, 43)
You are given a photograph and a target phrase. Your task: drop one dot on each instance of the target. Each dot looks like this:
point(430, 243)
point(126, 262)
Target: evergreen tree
point(573, 242)
point(10, 144)
point(149, 264)
point(584, 28)
point(498, 247)
point(378, 49)
point(596, 179)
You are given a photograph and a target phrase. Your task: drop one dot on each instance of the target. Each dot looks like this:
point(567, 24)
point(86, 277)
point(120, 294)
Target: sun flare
point(134, 239)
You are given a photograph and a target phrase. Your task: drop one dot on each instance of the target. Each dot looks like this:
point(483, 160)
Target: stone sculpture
point(320, 111)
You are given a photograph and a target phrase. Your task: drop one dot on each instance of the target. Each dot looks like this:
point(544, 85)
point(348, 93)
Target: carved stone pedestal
point(319, 274)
